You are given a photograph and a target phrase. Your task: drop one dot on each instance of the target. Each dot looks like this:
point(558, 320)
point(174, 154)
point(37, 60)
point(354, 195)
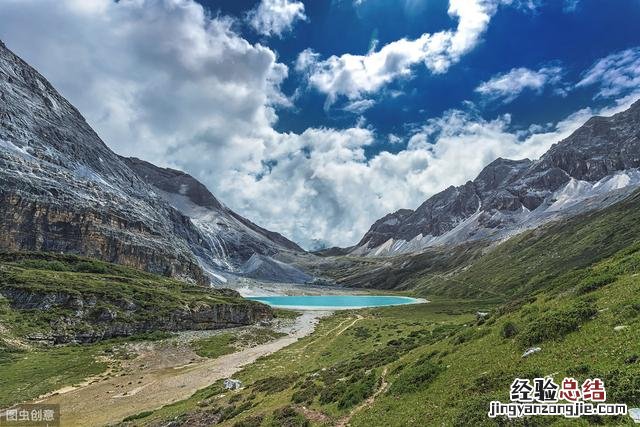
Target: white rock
point(530, 351)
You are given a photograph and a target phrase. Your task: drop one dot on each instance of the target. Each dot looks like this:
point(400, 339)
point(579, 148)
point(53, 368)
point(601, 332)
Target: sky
point(316, 118)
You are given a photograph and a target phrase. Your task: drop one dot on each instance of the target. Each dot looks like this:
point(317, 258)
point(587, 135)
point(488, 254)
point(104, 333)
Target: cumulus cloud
point(355, 75)
point(152, 75)
point(276, 17)
point(615, 75)
point(334, 193)
point(162, 80)
point(507, 86)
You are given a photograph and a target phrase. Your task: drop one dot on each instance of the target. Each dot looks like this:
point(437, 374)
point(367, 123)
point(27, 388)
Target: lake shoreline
point(335, 302)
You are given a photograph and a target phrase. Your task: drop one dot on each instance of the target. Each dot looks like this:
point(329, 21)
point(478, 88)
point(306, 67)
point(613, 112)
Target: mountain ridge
point(63, 190)
point(508, 194)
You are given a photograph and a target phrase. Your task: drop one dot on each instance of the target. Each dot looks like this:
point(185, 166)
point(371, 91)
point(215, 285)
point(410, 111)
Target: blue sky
point(315, 118)
point(567, 34)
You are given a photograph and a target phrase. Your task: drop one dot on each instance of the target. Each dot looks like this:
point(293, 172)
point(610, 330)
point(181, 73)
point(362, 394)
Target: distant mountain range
point(63, 190)
point(591, 169)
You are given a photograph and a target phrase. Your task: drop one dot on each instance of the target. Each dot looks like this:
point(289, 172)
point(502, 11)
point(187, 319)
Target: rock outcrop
point(85, 318)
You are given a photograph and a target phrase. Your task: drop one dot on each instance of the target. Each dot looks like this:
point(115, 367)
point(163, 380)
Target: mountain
point(594, 167)
point(235, 241)
point(63, 190)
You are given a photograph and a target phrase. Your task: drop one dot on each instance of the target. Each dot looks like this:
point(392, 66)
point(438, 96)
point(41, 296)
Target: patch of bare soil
point(160, 373)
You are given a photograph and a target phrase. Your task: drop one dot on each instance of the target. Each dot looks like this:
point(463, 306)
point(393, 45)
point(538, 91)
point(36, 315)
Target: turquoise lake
point(333, 302)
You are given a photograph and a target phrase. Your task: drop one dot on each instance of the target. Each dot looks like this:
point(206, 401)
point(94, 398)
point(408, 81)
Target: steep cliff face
point(82, 320)
point(45, 225)
point(63, 190)
point(594, 167)
point(237, 245)
point(64, 298)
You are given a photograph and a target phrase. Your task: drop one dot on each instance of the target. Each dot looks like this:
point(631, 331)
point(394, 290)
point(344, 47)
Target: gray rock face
point(268, 269)
point(90, 325)
point(236, 238)
point(508, 193)
point(62, 189)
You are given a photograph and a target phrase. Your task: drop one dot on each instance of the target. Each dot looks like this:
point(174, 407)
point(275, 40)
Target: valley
point(157, 373)
point(129, 293)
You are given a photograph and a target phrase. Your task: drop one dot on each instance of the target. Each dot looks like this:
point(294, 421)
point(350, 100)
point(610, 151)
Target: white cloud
point(162, 80)
point(570, 5)
point(508, 86)
point(356, 75)
point(334, 194)
point(359, 106)
point(275, 17)
point(306, 59)
point(616, 74)
point(151, 75)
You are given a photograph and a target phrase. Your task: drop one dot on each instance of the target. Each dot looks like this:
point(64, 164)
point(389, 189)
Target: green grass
point(329, 371)
point(442, 362)
point(129, 295)
point(286, 314)
point(86, 288)
point(215, 346)
point(28, 374)
point(229, 342)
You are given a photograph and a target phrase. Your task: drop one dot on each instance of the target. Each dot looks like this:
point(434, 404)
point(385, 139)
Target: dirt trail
point(162, 373)
point(367, 403)
point(342, 329)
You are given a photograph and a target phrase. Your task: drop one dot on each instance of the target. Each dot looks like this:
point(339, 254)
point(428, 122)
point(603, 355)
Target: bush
point(623, 385)
point(556, 324)
point(350, 391)
point(40, 264)
point(274, 384)
point(415, 377)
point(306, 394)
point(579, 371)
point(632, 359)
point(514, 305)
point(473, 412)
point(491, 381)
point(288, 417)
point(90, 267)
point(628, 311)
point(255, 421)
point(141, 415)
point(361, 333)
point(332, 393)
point(595, 282)
point(509, 330)
point(358, 391)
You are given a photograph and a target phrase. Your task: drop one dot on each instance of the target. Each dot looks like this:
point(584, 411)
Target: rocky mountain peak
point(509, 195)
point(174, 181)
point(499, 173)
point(63, 190)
